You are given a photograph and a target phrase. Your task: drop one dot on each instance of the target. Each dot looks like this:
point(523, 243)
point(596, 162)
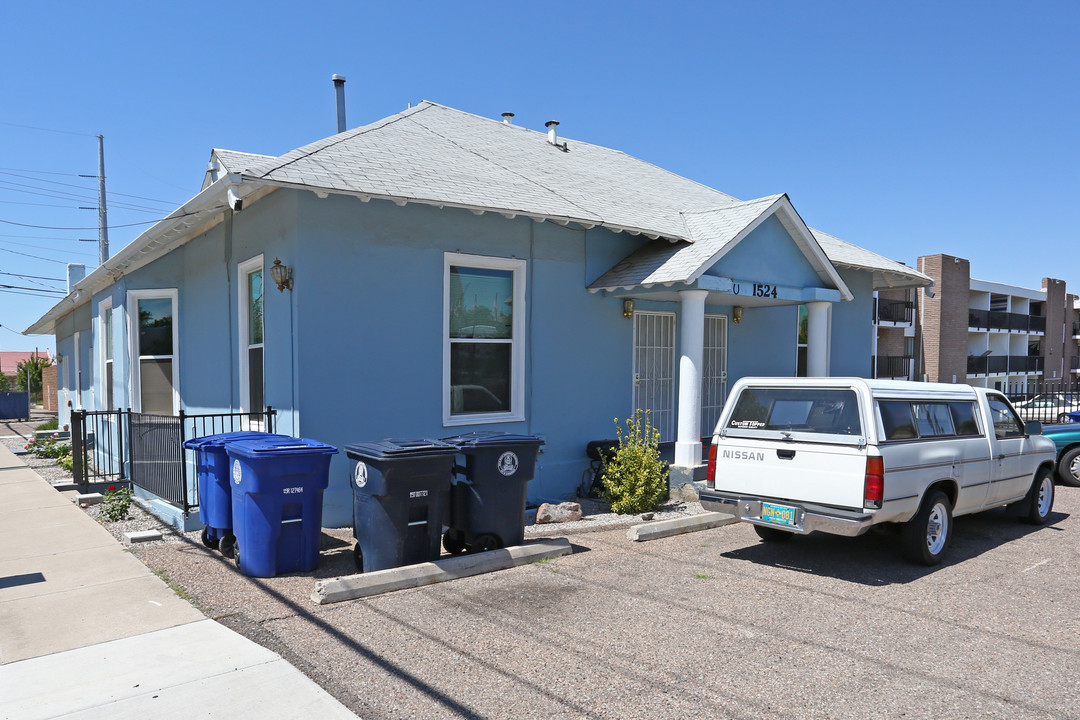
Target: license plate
point(778, 514)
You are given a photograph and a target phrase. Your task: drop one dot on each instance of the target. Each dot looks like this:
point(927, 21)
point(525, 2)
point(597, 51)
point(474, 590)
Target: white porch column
point(817, 339)
point(692, 341)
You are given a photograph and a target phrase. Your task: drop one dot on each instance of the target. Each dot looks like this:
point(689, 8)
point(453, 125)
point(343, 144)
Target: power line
point(50, 249)
point(6, 171)
point(36, 277)
point(36, 257)
point(111, 227)
point(24, 287)
point(29, 294)
point(34, 127)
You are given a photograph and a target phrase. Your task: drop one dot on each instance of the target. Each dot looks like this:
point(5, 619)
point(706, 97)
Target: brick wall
point(944, 327)
point(1072, 317)
point(48, 389)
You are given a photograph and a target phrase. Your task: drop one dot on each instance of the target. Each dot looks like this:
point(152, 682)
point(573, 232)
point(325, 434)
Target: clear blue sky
point(907, 128)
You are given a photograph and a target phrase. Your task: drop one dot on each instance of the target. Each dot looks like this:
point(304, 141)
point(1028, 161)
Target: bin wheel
point(485, 542)
point(208, 541)
point(236, 553)
point(227, 546)
point(358, 557)
point(454, 542)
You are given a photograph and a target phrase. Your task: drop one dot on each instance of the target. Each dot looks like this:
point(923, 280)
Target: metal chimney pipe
point(75, 273)
point(339, 90)
point(553, 136)
point(508, 118)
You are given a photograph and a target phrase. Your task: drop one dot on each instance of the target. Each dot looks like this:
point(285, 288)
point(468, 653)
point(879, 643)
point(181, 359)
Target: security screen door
point(713, 372)
point(654, 369)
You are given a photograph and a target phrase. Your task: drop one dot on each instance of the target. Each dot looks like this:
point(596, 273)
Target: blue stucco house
point(452, 273)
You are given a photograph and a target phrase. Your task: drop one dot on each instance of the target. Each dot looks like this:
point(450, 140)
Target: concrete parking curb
point(678, 526)
point(381, 581)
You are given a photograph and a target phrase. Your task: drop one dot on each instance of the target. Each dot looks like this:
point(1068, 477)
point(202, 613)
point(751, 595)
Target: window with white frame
point(155, 371)
point(250, 284)
point(105, 342)
point(483, 339)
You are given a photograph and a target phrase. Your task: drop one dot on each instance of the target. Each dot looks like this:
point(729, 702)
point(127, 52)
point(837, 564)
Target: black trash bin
point(488, 497)
point(401, 491)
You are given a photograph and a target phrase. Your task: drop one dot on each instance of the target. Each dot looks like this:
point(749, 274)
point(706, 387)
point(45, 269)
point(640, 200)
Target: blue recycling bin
point(400, 500)
point(215, 490)
point(1074, 416)
point(487, 499)
point(277, 498)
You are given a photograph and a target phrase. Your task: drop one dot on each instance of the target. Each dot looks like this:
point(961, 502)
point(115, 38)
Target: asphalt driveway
point(713, 624)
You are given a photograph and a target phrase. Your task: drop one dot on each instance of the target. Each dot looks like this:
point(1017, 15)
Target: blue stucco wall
point(355, 351)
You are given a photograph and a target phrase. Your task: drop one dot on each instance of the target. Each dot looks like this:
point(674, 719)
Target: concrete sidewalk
point(86, 630)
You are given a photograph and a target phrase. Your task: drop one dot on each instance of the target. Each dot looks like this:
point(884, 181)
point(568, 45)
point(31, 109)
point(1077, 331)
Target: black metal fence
point(1003, 364)
point(148, 450)
point(898, 311)
point(1049, 401)
point(892, 366)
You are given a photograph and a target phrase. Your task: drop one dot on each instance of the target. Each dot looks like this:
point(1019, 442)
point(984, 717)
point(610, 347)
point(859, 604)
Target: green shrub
point(116, 504)
point(66, 462)
point(48, 447)
point(635, 478)
point(50, 424)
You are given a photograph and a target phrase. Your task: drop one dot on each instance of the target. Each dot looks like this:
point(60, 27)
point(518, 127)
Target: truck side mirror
point(1033, 428)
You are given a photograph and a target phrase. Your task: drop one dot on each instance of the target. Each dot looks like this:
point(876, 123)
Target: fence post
point(271, 413)
point(78, 446)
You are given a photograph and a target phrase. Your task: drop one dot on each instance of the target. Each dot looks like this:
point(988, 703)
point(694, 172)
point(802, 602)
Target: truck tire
point(1040, 500)
point(768, 534)
point(1068, 468)
point(926, 536)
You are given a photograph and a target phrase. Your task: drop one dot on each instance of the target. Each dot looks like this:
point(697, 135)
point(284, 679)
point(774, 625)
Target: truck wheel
point(1040, 499)
point(926, 536)
point(210, 542)
point(768, 534)
point(1068, 469)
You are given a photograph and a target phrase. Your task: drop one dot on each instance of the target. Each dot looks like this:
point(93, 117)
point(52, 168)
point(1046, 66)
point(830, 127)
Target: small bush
point(48, 447)
point(66, 462)
point(50, 424)
point(635, 478)
point(116, 504)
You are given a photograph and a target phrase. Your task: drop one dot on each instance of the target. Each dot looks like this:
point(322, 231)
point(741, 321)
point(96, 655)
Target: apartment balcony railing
point(892, 366)
point(897, 311)
point(998, 320)
point(1003, 364)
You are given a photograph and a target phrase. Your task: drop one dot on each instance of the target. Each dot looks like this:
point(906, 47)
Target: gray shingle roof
point(434, 154)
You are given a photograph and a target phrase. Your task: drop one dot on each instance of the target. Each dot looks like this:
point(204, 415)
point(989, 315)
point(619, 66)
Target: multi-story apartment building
point(894, 331)
point(990, 334)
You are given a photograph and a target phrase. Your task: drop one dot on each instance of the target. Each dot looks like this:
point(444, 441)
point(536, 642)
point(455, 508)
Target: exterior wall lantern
point(282, 275)
point(628, 309)
point(736, 314)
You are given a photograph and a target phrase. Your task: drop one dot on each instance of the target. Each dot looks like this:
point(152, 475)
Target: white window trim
point(517, 348)
point(103, 353)
point(242, 270)
point(135, 386)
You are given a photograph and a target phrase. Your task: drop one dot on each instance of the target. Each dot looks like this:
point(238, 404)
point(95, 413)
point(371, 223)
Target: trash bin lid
point(398, 449)
point(280, 445)
point(491, 438)
point(221, 439)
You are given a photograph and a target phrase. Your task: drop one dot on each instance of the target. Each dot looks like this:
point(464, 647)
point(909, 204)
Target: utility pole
point(103, 216)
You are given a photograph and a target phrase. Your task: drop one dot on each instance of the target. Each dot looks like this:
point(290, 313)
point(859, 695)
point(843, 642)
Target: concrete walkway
point(87, 631)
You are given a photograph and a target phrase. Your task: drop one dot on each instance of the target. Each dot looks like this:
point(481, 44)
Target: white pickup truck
point(840, 455)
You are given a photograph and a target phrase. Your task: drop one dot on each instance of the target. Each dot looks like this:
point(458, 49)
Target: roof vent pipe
point(75, 273)
point(508, 118)
point(553, 136)
point(339, 90)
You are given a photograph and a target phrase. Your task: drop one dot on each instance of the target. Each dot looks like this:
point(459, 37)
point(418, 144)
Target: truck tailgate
point(826, 474)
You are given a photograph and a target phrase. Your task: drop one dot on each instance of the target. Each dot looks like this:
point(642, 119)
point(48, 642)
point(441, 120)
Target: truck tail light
point(874, 484)
point(710, 477)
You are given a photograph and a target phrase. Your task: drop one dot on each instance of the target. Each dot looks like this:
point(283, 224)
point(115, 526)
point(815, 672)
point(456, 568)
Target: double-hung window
point(155, 374)
point(483, 339)
point(250, 284)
